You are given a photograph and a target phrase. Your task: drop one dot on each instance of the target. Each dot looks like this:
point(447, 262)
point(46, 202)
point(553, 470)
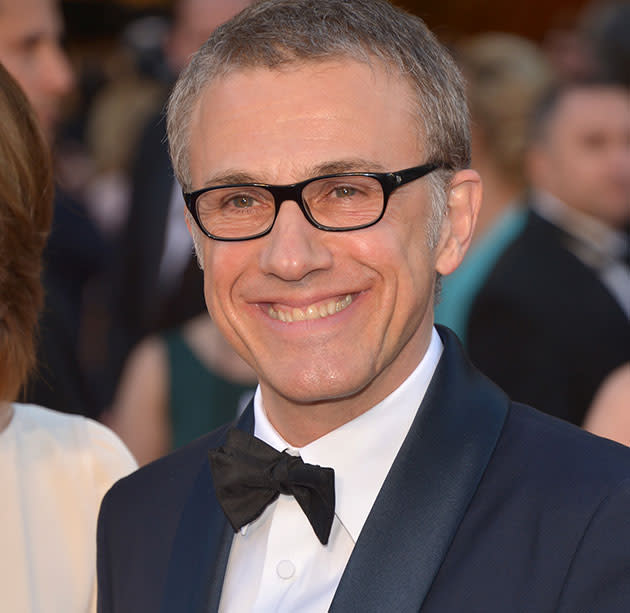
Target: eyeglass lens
point(335, 202)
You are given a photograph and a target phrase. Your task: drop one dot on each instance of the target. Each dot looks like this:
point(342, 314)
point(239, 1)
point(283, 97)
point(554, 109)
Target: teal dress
point(200, 400)
point(460, 288)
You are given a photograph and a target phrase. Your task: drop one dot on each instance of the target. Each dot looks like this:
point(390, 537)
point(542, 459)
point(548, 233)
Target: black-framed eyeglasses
point(334, 202)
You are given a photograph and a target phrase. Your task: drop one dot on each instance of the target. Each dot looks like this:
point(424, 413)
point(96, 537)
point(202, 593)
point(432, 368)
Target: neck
point(300, 423)
point(6, 415)
point(498, 194)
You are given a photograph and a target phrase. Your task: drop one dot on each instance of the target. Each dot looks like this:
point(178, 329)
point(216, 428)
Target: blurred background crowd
point(542, 301)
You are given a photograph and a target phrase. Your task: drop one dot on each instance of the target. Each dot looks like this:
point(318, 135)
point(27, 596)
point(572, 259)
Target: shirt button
point(285, 569)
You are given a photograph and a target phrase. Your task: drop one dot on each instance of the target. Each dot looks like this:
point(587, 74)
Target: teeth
point(310, 312)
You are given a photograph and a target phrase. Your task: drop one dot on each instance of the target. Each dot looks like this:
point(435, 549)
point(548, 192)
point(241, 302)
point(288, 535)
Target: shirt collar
point(592, 233)
point(363, 450)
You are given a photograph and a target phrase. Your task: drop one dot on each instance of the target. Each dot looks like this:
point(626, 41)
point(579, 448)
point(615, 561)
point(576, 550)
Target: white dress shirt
point(597, 245)
point(276, 562)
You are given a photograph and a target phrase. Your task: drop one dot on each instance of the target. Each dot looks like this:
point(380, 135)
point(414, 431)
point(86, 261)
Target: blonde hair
point(506, 75)
point(26, 192)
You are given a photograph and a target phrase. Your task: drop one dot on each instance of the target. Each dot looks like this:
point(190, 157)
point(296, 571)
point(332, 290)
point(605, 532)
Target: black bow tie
point(249, 475)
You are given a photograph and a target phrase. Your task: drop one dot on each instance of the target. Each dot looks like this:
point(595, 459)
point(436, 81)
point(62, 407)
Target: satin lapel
point(202, 545)
point(427, 491)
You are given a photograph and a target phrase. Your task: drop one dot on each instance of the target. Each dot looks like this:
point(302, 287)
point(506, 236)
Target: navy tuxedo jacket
point(489, 507)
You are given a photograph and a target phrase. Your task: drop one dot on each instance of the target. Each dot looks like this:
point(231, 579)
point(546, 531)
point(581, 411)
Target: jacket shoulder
point(560, 458)
point(139, 521)
point(169, 477)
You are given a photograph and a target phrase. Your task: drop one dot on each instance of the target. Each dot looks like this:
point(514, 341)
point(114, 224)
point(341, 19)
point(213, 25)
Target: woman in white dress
point(54, 468)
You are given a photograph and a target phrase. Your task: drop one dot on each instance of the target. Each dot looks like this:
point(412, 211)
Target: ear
point(464, 202)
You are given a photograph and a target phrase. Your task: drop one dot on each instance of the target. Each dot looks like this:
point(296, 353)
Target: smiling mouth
point(314, 311)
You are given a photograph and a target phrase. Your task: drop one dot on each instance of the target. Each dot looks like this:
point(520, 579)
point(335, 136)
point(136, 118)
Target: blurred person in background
point(598, 43)
point(30, 47)
point(119, 87)
point(177, 386)
point(553, 319)
point(505, 75)
point(134, 87)
point(604, 29)
point(30, 34)
point(148, 297)
point(54, 468)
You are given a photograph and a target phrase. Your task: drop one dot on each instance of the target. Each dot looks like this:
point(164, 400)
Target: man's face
point(30, 51)
point(584, 159)
point(285, 126)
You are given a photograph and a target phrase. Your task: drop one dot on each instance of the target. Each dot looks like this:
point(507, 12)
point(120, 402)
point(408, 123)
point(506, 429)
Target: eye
point(594, 141)
point(241, 201)
point(345, 191)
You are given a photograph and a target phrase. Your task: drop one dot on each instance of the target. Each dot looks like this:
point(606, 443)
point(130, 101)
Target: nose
point(294, 248)
point(56, 71)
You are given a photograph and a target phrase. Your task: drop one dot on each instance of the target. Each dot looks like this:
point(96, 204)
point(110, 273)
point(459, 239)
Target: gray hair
point(275, 33)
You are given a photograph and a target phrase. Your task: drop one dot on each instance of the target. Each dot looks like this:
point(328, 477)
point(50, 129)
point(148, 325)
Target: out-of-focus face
point(195, 20)
point(30, 32)
point(285, 126)
point(584, 158)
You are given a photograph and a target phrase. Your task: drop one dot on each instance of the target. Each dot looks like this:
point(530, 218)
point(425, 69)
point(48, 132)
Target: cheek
point(579, 166)
point(230, 268)
point(400, 254)
point(409, 241)
point(221, 274)
point(219, 277)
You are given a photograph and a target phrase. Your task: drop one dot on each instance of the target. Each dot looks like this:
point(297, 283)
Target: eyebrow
point(352, 165)
point(231, 177)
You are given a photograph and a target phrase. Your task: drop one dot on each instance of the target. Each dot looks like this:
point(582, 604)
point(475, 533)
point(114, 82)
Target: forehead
point(205, 15)
point(304, 115)
point(605, 109)
point(28, 18)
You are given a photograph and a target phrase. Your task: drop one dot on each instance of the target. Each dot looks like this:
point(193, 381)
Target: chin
point(315, 387)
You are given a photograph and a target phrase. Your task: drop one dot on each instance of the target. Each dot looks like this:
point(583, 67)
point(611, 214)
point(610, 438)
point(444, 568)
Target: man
point(157, 284)
point(30, 33)
point(288, 132)
point(553, 319)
